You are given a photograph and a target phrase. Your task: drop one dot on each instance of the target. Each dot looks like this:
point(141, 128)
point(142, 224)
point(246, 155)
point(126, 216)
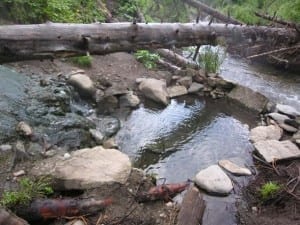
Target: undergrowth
point(269, 190)
point(211, 58)
point(82, 61)
point(147, 58)
point(27, 190)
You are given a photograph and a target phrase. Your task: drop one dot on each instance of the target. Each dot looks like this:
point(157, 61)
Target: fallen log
point(7, 218)
point(177, 59)
point(52, 40)
point(192, 208)
point(214, 13)
point(43, 209)
point(162, 192)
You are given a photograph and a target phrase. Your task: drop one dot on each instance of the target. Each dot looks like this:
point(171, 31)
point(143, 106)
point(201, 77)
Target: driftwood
point(52, 40)
point(168, 65)
point(192, 208)
point(7, 218)
point(214, 13)
point(43, 209)
point(177, 59)
point(162, 192)
point(273, 51)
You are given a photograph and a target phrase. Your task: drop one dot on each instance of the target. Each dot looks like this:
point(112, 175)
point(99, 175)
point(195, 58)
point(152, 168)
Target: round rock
point(214, 180)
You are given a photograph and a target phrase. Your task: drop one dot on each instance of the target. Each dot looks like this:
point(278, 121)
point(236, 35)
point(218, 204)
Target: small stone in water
point(5, 147)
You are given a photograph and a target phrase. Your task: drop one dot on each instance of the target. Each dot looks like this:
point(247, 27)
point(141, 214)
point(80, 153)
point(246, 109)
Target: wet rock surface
point(261, 133)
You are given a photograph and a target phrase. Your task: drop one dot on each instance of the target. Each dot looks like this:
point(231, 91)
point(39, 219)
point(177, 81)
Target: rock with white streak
point(262, 133)
point(272, 150)
point(233, 168)
point(214, 180)
point(155, 90)
point(86, 168)
point(288, 110)
point(176, 91)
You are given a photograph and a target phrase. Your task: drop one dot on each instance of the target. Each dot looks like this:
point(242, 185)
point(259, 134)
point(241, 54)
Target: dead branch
point(274, 51)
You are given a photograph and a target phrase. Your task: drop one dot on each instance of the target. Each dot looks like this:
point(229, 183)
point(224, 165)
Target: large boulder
point(214, 180)
point(249, 98)
point(262, 133)
point(86, 168)
point(155, 90)
point(272, 150)
point(83, 84)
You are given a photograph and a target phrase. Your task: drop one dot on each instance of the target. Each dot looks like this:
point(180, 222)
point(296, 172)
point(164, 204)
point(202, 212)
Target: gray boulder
point(262, 133)
point(214, 180)
point(155, 89)
point(185, 81)
point(86, 168)
point(83, 84)
point(195, 87)
point(272, 150)
point(176, 91)
point(280, 119)
point(129, 100)
point(249, 98)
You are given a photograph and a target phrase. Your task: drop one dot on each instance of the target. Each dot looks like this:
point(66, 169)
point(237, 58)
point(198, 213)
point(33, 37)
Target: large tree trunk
point(52, 40)
point(210, 11)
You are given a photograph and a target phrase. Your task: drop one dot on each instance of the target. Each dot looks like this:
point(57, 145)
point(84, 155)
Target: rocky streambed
point(61, 121)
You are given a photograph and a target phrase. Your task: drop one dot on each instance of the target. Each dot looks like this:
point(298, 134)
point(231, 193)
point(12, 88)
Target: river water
point(176, 142)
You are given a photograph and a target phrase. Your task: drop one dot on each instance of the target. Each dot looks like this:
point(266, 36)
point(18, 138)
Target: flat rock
point(214, 180)
point(86, 168)
point(233, 168)
point(249, 98)
point(288, 110)
point(277, 150)
point(176, 91)
point(262, 133)
point(195, 87)
point(83, 84)
point(155, 90)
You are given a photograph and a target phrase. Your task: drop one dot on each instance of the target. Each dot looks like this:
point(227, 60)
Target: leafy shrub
point(83, 61)
point(27, 191)
point(148, 59)
point(269, 190)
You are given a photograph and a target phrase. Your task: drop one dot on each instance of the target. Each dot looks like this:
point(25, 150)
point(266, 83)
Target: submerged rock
point(233, 168)
point(262, 133)
point(86, 168)
point(272, 150)
point(155, 89)
point(214, 180)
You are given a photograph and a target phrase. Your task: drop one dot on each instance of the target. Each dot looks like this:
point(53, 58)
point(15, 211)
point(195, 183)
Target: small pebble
point(170, 204)
point(5, 147)
point(254, 209)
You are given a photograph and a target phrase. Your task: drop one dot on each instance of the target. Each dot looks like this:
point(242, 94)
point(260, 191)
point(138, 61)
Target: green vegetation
point(83, 61)
point(147, 58)
point(211, 58)
point(38, 11)
point(269, 190)
point(27, 191)
point(244, 9)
